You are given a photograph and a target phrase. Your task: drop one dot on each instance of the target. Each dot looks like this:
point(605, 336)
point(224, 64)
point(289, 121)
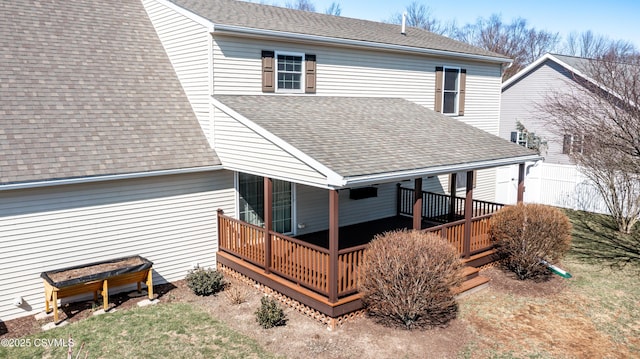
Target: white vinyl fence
point(551, 184)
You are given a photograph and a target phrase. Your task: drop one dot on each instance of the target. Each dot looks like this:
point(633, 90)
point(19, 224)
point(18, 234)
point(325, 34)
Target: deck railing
point(308, 265)
point(241, 239)
point(349, 264)
point(437, 207)
point(454, 233)
point(300, 262)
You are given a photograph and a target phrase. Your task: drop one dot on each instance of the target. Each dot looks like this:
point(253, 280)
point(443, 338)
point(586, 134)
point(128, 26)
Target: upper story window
point(450, 90)
point(288, 72)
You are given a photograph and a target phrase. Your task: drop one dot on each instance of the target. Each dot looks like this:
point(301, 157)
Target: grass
point(160, 331)
point(595, 316)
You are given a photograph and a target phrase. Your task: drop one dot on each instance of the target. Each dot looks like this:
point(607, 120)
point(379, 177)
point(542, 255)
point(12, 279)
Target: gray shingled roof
point(257, 16)
point(578, 63)
point(86, 89)
point(365, 136)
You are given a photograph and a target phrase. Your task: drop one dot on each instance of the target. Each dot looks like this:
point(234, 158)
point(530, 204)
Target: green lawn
point(159, 331)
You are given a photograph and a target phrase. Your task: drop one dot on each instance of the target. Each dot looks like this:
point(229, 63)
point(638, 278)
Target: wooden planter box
point(95, 277)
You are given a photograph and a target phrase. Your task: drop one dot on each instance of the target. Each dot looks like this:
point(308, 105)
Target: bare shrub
point(236, 295)
point(407, 279)
point(526, 233)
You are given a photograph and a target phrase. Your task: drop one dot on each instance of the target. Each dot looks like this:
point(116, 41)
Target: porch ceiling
point(362, 139)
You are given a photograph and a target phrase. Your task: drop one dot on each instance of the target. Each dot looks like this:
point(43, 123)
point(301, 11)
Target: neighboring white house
point(107, 150)
point(556, 181)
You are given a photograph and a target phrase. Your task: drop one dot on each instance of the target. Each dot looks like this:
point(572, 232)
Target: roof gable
point(278, 19)
point(87, 90)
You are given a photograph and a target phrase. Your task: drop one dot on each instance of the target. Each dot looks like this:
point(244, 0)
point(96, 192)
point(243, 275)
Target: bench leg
point(105, 295)
point(150, 283)
point(55, 306)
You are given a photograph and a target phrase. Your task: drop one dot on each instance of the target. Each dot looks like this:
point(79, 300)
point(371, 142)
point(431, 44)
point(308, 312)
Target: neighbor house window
point(520, 138)
point(251, 202)
point(450, 90)
point(572, 144)
point(290, 72)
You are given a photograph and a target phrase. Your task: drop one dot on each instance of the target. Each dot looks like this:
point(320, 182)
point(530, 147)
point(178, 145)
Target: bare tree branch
point(334, 9)
point(604, 107)
point(305, 5)
point(516, 40)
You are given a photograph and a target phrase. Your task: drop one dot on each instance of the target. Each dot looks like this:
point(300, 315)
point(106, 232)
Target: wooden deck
point(361, 233)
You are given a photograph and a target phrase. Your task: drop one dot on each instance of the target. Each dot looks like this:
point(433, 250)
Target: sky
point(617, 19)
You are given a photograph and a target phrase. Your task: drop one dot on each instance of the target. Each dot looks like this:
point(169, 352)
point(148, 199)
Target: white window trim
point(456, 108)
point(302, 71)
point(519, 139)
point(294, 201)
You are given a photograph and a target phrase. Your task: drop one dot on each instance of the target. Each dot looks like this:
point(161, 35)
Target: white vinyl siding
point(313, 207)
point(520, 103)
point(361, 73)
point(187, 44)
point(170, 220)
point(243, 150)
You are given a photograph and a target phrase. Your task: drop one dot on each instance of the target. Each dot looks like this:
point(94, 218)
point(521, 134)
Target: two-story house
point(320, 130)
point(556, 181)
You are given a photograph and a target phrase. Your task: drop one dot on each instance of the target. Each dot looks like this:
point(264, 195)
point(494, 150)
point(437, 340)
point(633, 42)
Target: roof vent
point(404, 23)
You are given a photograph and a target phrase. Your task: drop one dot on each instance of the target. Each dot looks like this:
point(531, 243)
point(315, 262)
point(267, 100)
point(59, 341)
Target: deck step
point(480, 259)
point(470, 272)
point(472, 285)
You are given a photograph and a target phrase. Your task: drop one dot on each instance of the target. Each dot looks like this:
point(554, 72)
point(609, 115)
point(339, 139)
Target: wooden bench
point(96, 278)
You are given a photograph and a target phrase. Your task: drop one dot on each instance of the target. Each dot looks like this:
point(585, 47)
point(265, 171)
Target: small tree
point(408, 277)
point(601, 110)
point(527, 233)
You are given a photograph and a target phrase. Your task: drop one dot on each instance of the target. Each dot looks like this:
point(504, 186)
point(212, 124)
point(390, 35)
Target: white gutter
point(80, 180)
point(240, 30)
point(434, 171)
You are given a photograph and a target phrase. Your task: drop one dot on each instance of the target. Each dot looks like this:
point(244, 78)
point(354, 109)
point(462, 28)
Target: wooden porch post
point(268, 222)
point(452, 192)
point(417, 204)
point(468, 214)
point(333, 245)
point(521, 183)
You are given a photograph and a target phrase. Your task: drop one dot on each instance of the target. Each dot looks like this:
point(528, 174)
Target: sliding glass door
point(251, 204)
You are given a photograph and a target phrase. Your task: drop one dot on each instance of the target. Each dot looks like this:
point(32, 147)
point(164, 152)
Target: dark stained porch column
point(521, 183)
point(268, 222)
point(453, 194)
point(417, 204)
point(468, 214)
point(333, 245)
